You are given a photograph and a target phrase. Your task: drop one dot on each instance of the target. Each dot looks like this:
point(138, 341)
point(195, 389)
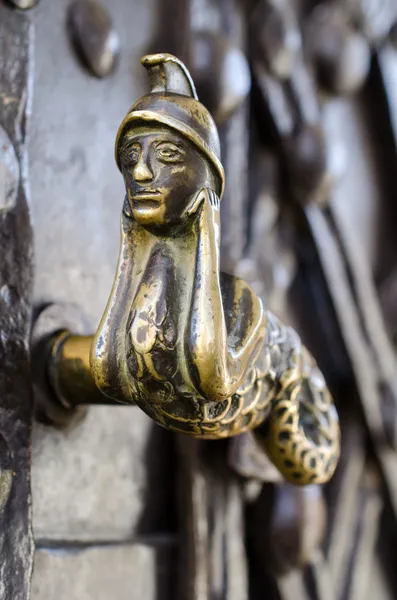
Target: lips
point(147, 195)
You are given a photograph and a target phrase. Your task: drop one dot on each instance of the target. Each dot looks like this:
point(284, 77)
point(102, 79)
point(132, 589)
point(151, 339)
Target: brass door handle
point(191, 346)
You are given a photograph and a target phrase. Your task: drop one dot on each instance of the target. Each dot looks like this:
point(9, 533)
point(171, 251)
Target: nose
point(142, 170)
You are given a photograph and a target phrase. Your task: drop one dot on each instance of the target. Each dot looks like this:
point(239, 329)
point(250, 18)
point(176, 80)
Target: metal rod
point(69, 371)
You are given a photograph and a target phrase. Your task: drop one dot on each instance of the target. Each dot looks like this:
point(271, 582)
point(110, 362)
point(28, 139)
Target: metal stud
point(94, 36)
point(23, 4)
point(221, 72)
point(341, 55)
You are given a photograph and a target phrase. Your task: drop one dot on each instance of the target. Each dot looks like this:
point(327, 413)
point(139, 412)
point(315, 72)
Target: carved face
point(162, 171)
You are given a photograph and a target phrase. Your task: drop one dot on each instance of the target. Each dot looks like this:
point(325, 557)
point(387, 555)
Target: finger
point(195, 203)
point(214, 199)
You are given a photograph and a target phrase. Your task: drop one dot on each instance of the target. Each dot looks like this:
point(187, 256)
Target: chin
point(149, 216)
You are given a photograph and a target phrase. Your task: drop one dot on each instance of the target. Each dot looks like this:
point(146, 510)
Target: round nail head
point(94, 37)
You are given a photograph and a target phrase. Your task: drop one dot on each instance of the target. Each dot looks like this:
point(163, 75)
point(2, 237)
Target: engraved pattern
point(283, 392)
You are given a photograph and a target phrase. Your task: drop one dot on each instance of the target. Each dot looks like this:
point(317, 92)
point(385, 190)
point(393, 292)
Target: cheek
point(179, 174)
point(128, 179)
point(175, 170)
point(184, 176)
point(174, 177)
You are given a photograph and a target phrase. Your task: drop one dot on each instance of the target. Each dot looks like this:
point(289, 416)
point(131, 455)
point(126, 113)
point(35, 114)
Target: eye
point(168, 152)
point(130, 154)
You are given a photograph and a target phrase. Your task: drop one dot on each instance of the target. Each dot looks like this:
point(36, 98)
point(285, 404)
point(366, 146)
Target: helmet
point(173, 102)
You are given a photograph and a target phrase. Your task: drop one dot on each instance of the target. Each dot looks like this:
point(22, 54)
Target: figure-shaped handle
point(191, 346)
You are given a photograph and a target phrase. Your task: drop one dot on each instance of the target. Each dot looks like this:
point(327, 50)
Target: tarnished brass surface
point(69, 370)
point(190, 345)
